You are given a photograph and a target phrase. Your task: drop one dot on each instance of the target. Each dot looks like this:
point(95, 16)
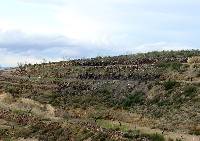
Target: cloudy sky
point(31, 30)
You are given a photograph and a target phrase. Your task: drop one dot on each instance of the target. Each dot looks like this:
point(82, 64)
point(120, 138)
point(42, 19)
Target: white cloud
point(51, 2)
point(12, 59)
point(6, 25)
point(76, 28)
point(19, 47)
point(160, 46)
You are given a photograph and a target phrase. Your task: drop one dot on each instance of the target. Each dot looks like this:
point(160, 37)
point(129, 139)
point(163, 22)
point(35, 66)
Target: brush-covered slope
point(157, 90)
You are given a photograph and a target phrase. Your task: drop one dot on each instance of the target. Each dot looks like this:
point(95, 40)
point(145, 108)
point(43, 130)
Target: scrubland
point(144, 97)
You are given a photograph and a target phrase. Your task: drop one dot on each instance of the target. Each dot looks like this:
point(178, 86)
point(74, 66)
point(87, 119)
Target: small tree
point(21, 67)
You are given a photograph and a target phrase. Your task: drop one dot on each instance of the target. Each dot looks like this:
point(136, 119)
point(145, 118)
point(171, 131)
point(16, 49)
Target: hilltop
point(149, 96)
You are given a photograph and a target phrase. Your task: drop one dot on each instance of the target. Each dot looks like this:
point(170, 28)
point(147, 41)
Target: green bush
point(176, 66)
point(100, 136)
point(136, 98)
point(132, 134)
point(170, 65)
point(14, 91)
point(195, 132)
point(190, 91)
point(170, 84)
point(156, 137)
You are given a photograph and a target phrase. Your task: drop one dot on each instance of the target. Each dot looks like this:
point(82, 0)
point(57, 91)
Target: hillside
point(152, 96)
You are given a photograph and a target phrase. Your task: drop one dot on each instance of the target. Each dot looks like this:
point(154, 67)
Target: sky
point(34, 30)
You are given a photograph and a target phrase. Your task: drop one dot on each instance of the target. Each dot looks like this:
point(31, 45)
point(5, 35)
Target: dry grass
point(28, 139)
point(26, 105)
point(195, 59)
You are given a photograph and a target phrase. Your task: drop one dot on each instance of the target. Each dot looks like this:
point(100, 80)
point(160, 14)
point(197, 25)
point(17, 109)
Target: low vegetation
point(103, 98)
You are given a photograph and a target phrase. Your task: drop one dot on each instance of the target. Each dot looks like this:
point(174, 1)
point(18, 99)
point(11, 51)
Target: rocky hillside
point(151, 96)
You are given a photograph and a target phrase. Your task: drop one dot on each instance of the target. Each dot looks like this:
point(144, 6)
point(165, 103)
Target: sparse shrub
point(163, 102)
point(198, 73)
point(14, 91)
point(132, 134)
point(150, 86)
point(170, 84)
point(190, 90)
point(170, 139)
point(4, 133)
point(136, 98)
point(195, 131)
point(84, 134)
point(176, 66)
point(195, 59)
point(100, 137)
point(21, 67)
point(156, 137)
point(170, 65)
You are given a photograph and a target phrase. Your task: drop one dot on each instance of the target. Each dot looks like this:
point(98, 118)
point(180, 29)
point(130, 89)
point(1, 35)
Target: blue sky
point(31, 30)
